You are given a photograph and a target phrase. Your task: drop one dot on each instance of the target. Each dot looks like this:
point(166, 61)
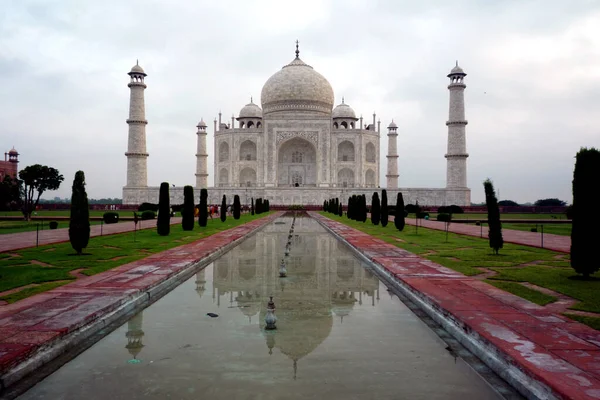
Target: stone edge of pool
point(36, 330)
point(541, 354)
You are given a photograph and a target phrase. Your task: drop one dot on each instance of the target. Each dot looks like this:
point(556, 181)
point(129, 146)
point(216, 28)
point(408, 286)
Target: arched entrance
point(297, 164)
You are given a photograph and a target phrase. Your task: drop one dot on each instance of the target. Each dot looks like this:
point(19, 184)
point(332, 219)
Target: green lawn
point(63, 213)
point(26, 226)
point(53, 263)
point(465, 253)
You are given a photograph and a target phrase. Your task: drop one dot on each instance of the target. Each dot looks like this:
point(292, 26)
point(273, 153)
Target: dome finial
point(251, 99)
point(137, 62)
point(342, 99)
point(457, 63)
point(297, 50)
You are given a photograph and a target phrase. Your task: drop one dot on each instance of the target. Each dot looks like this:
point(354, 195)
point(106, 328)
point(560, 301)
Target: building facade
point(10, 165)
point(297, 148)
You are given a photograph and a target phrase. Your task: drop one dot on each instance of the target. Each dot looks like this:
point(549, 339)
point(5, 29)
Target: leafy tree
point(508, 203)
point(550, 203)
point(36, 179)
point(163, 222)
point(495, 227)
point(203, 208)
point(79, 222)
point(10, 194)
point(187, 212)
point(236, 207)
point(384, 208)
point(375, 209)
point(224, 209)
point(585, 234)
point(399, 221)
point(252, 206)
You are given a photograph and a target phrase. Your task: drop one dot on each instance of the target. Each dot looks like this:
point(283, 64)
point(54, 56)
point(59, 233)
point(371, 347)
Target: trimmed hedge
point(148, 214)
point(53, 224)
point(110, 217)
point(444, 217)
point(148, 207)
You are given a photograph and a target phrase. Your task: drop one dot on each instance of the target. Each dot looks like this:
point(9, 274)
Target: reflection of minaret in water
point(200, 283)
point(134, 335)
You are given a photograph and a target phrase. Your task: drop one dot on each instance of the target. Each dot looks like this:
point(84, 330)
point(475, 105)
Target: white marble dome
point(136, 69)
point(250, 110)
point(298, 87)
point(343, 111)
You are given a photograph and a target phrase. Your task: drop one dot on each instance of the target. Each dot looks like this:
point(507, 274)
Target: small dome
point(13, 151)
point(136, 69)
point(343, 111)
point(457, 70)
point(393, 125)
point(250, 110)
point(201, 124)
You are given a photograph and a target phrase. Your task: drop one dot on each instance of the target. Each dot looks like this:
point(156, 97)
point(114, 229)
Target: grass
point(465, 253)
point(483, 216)
point(64, 213)
point(522, 291)
point(7, 227)
point(54, 263)
point(589, 321)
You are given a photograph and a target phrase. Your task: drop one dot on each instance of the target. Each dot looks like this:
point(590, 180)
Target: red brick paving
point(551, 242)
point(561, 353)
point(21, 240)
point(40, 321)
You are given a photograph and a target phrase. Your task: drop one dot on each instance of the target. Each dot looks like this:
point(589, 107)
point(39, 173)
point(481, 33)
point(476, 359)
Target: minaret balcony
point(136, 121)
point(463, 155)
point(462, 122)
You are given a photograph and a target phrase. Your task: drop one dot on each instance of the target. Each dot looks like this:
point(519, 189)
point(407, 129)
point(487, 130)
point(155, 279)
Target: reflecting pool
point(340, 334)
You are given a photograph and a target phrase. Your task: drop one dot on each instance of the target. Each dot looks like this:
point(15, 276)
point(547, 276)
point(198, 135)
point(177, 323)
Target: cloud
point(531, 97)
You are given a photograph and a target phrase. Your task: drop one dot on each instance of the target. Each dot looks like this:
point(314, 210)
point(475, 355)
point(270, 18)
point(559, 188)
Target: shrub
point(236, 207)
point(411, 208)
point(585, 234)
point(110, 217)
point(148, 214)
point(478, 223)
point(495, 227)
point(454, 209)
point(187, 210)
point(422, 214)
point(444, 217)
point(533, 229)
point(79, 221)
point(203, 208)
point(148, 207)
point(163, 223)
point(443, 210)
point(399, 221)
point(384, 208)
point(569, 212)
point(52, 224)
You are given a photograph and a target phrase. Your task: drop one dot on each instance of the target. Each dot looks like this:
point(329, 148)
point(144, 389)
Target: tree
point(79, 221)
point(10, 194)
point(585, 234)
point(224, 209)
point(375, 209)
point(252, 206)
point(187, 212)
point(236, 207)
point(495, 227)
point(550, 203)
point(268, 205)
point(203, 208)
point(384, 208)
point(341, 211)
point(36, 179)
point(363, 208)
point(348, 210)
point(399, 221)
point(163, 222)
point(508, 203)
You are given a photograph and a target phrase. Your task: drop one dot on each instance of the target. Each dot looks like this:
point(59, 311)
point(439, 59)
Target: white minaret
point(456, 174)
point(392, 157)
point(201, 157)
point(137, 158)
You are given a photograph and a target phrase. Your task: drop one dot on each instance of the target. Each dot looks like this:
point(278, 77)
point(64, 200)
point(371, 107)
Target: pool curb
point(110, 296)
point(423, 284)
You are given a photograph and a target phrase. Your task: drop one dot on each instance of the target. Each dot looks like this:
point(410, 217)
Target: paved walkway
point(33, 325)
point(21, 240)
point(561, 354)
point(551, 242)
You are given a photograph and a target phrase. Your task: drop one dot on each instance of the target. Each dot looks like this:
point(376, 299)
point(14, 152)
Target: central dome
point(297, 87)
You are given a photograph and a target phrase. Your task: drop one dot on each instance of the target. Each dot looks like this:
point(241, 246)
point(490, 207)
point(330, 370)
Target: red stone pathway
point(562, 354)
point(21, 240)
point(551, 242)
point(40, 321)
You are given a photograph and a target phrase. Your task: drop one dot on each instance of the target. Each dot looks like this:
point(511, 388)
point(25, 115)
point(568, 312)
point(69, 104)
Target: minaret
point(137, 158)
point(392, 157)
point(135, 336)
point(201, 157)
point(456, 174)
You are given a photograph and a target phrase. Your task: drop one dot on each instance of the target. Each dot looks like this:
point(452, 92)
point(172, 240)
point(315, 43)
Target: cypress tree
point(163, 222)
point(348, 209)
point(252, 206)
point(495, 227)
point(187, 212)
point(341, 211)
point(203, 208)
point(384, 208)
point(236, 207)
point(363, 208)
point(336, 206)
point(375, 209)
point(399, 221)
point(224, 209)
point(324, 205)
point(79, 222)
point(585, 233)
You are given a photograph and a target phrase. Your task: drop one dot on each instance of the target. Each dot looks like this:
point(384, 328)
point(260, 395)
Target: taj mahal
point(297, 148)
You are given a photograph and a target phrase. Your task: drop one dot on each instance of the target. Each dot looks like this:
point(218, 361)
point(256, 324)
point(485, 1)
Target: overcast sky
point(532, 97)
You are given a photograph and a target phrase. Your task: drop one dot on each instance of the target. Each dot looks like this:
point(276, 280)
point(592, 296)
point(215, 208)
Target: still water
point(340, 335)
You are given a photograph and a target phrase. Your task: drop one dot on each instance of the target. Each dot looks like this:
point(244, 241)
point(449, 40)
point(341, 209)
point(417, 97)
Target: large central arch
point(297, 163)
